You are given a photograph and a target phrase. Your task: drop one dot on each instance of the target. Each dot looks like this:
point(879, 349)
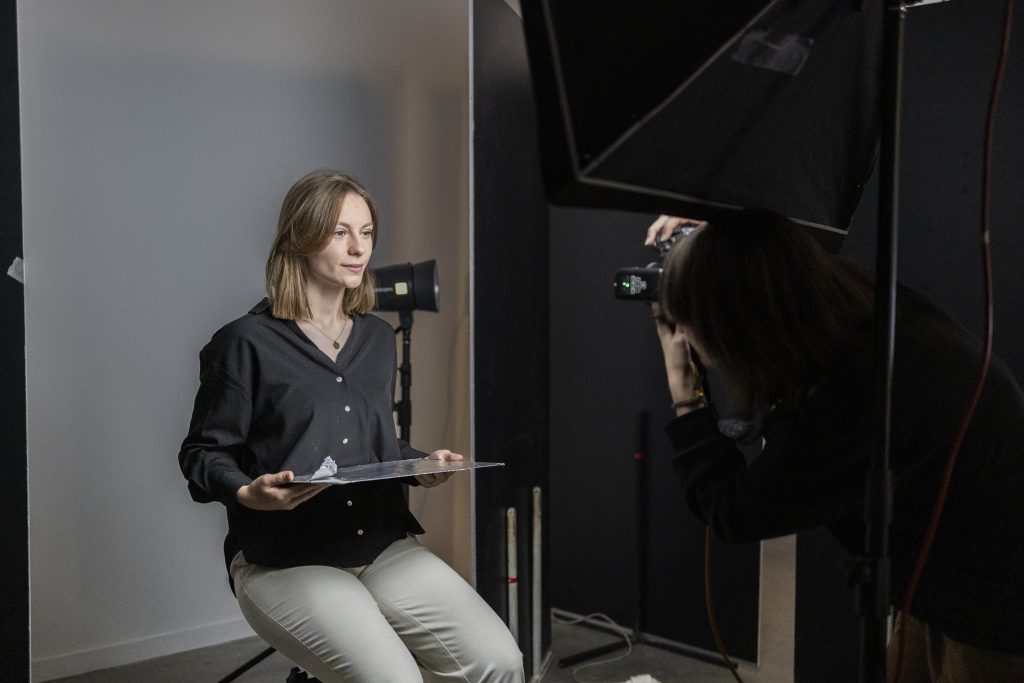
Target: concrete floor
point(209, 664)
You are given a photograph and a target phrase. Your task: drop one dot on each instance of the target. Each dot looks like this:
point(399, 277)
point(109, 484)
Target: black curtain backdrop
point(510, 326)
point(950, 59)
point(605, 366)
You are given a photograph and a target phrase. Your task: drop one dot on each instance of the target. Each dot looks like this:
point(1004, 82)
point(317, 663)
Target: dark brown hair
point(309, 216)
point(769, 306)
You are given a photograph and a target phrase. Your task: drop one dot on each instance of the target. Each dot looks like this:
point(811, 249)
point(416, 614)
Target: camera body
point(640, 283)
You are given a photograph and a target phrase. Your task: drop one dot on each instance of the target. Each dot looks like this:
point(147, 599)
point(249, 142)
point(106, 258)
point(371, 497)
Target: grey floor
point(209, 664)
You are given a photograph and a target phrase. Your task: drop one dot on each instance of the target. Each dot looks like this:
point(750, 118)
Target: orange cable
point(940, 499)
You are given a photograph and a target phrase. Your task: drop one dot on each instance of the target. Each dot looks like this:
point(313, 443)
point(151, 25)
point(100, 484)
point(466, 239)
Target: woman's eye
point(367, 233)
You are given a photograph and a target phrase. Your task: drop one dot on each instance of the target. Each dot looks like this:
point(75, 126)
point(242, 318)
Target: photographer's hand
point(681, 368)
point(664, 225)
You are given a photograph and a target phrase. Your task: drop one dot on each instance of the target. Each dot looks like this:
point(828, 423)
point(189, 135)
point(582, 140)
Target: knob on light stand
point(404, 288)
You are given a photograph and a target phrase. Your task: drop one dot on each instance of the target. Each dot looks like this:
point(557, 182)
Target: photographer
point(789, 329)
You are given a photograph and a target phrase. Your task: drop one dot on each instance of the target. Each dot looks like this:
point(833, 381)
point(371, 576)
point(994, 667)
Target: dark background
point(604, 359)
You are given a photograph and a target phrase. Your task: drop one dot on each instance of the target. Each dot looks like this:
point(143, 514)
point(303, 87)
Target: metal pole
point(404, 405)
point(873, 579)
point(536, 584)
point(513, 573)
point(640, 457)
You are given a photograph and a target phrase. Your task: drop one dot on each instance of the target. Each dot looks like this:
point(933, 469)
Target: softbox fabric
point(664, 106)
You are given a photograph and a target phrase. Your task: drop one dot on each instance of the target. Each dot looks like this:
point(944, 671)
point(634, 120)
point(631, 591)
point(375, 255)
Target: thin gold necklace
point(334, 341)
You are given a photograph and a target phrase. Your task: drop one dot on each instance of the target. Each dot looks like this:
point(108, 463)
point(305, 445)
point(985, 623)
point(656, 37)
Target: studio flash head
point(640, 283)
point(407, 287)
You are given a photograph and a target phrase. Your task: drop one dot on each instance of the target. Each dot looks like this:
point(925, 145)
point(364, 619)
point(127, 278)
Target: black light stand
point(870, 573)
point(405, 287)
point(403, 406)
point(637, 636)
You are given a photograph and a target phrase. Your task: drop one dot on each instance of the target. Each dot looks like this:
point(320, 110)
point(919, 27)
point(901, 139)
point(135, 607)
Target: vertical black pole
point(640, 456)
point(14, 593)
point(874, 593)
point(404, 404)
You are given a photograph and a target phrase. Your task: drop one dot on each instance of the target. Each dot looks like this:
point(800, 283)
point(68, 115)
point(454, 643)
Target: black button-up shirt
point(269, 400)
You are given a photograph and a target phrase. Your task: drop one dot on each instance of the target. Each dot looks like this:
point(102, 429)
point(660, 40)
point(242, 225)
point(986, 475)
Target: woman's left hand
point(431, 480)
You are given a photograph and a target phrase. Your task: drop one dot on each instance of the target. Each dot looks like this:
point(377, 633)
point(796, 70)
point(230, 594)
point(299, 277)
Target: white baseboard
point(132, 651)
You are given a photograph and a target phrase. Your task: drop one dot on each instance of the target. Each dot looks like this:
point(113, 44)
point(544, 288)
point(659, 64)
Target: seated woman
point(331, 576)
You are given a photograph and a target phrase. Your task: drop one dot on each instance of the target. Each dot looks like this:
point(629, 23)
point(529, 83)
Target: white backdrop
point(158, 140)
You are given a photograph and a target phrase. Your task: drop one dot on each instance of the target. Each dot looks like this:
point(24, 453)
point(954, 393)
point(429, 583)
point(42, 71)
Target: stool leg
point(299, 676)
point(248, 665)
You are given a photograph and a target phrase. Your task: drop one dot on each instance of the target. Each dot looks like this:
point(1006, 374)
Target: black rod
point(642, 541)
point(15, 635)
point(404, 405)
point(873, 577)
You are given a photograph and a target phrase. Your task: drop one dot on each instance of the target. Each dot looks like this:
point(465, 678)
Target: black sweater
point(269, 400)
point(813, 466)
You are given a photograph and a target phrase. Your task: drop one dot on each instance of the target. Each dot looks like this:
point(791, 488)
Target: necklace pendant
point(337, 345)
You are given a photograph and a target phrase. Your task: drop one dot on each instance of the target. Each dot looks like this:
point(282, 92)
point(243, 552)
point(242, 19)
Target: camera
point(640, 283)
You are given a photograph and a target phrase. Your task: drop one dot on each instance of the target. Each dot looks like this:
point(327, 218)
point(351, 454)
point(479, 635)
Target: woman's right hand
point(276, 492)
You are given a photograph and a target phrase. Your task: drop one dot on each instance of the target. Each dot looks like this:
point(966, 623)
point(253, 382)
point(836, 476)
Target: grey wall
point(157, 142)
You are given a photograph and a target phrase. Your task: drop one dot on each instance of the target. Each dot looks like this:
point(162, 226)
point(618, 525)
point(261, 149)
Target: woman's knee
point(507, 668)
point(496, 660)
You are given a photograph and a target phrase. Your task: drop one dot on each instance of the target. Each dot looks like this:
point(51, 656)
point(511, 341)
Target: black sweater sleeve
point(810, 472)
point(214, 452)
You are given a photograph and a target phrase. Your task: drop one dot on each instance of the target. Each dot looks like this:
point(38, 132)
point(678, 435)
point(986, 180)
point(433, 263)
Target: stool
point(297, 675)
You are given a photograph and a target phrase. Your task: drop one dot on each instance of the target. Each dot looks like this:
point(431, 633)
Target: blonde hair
point(309, 215)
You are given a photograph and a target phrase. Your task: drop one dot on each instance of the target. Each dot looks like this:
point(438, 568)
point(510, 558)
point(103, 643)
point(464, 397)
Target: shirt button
point(344, 440)
point(348, 408)
point(350, 503)
point(338, 379)
point(360, 532)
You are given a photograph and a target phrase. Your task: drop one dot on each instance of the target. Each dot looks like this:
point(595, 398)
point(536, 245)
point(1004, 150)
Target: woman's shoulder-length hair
point(766, 302)
point(309, 216)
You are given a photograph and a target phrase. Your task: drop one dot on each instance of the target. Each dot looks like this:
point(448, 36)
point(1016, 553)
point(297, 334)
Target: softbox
point(665, 106)
point(407, 287)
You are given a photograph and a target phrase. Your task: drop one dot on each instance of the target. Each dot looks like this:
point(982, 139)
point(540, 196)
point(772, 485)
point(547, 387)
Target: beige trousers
point(408, 617)
point(930, 657)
